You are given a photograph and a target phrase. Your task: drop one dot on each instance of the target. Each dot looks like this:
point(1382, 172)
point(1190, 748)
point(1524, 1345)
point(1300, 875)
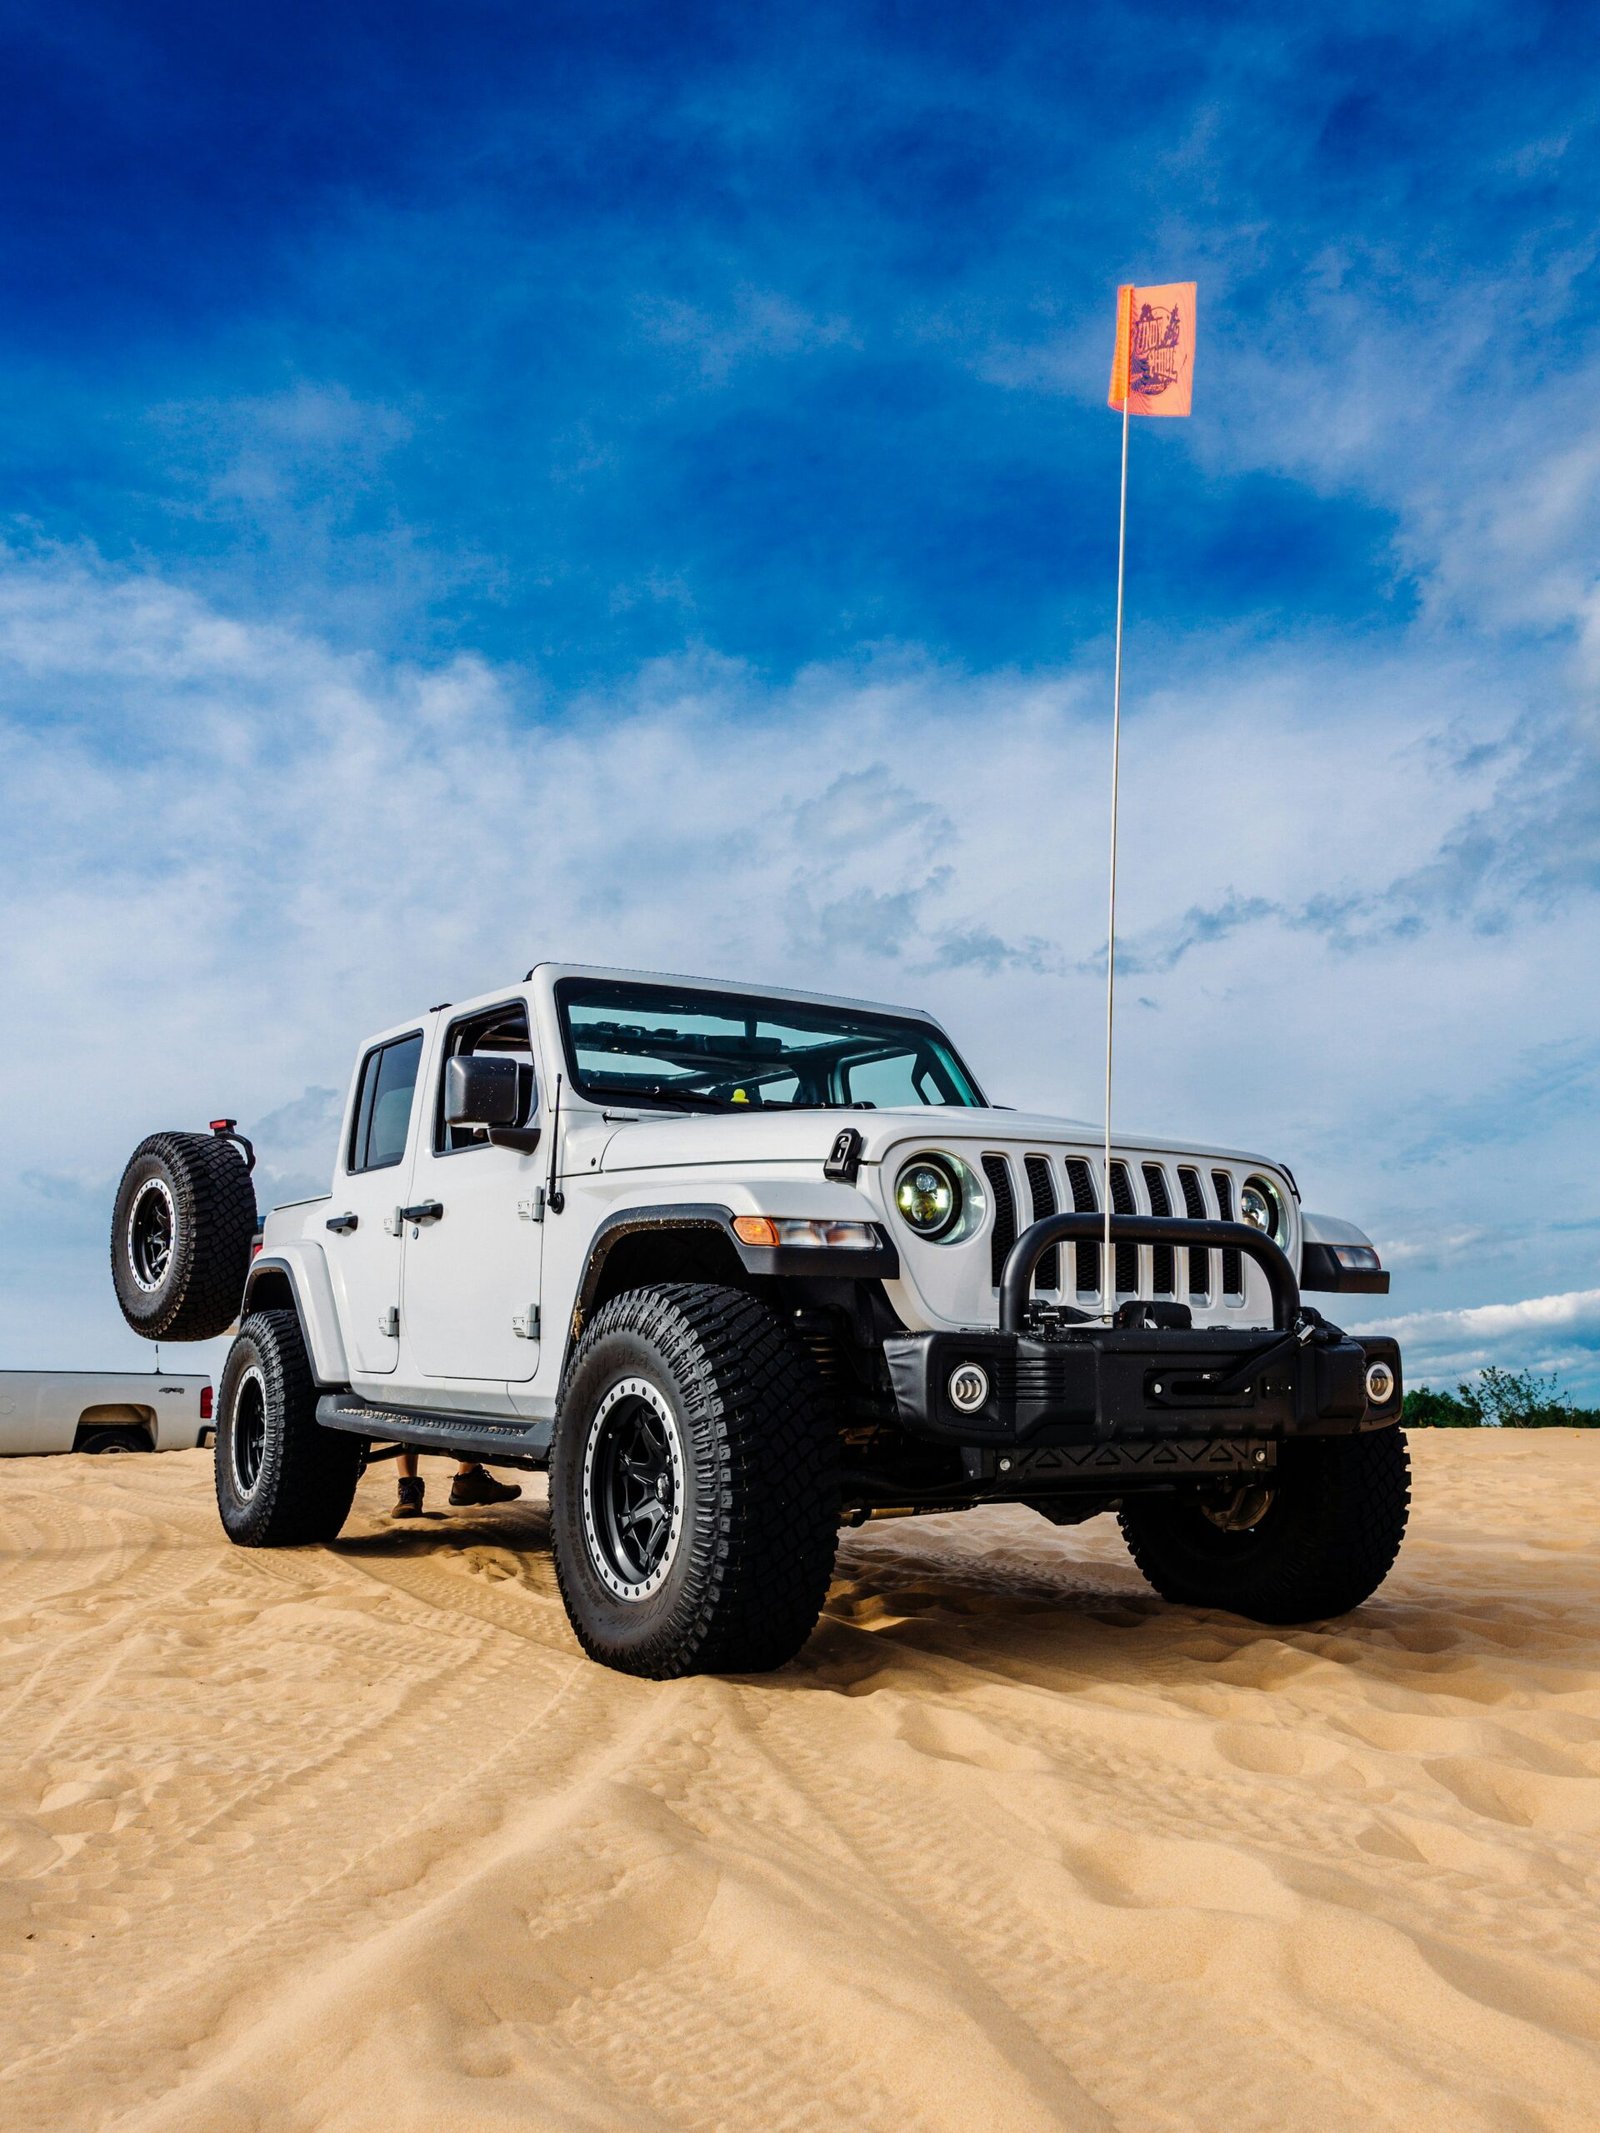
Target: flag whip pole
point(1107, 1275)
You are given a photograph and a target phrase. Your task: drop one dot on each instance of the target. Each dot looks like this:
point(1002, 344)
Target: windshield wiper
point(678, 1099)
point(826, 1103)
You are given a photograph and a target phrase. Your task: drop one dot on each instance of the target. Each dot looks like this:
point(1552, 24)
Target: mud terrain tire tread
point(308, 1474)
point(1339, 1525)
point(215, 1207)
point(761, 1442)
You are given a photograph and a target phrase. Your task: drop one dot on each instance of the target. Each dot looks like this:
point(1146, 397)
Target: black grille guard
point(1061, 1384)
point(1016, 1277)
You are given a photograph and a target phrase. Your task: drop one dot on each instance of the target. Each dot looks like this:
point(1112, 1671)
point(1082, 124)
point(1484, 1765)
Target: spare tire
point(181, 1235)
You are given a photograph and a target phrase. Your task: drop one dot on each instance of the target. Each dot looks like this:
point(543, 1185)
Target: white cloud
point(1560, 1333)
point(749, 323)
point(1578, 1309)
point(1436, 1251)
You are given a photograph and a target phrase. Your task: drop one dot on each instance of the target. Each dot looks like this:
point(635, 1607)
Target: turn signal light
point(795, 1230)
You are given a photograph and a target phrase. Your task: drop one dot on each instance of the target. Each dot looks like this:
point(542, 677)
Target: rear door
point(364, 1237)
point(472, 1272)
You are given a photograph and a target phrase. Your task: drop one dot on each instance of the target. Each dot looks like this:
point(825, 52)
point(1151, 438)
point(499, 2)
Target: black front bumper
point(1084, 1387)
point(1088, 1389)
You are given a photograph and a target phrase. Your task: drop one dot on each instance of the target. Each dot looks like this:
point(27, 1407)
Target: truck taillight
point(205, 1403)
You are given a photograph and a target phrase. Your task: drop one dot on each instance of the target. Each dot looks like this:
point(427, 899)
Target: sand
point(354, 1838)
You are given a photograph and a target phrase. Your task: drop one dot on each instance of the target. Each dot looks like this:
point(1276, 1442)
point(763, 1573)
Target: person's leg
point(409, 1490)
point(472, 1486)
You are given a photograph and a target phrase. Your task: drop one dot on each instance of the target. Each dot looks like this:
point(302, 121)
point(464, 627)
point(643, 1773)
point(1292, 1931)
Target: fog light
point(969, 1388)
point(1380, 1384)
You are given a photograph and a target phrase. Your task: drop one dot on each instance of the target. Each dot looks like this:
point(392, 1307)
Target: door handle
point(424, 1211)
point(342, 1222)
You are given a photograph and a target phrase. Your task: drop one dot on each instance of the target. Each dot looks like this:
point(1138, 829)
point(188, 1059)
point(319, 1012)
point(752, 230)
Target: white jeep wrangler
point(738, 1267)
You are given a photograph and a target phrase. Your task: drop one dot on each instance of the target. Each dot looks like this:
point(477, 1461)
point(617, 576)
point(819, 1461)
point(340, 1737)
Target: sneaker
point(408, 1503)
point(479, 1487)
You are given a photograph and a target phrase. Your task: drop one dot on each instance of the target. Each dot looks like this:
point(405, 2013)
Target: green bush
point(1423, 1408)
point(1499, 1399)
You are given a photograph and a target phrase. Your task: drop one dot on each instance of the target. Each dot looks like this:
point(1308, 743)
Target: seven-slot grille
point(998, 1171)
point(1084, 1202)
point(1193, 1274)
point(1126, 1255)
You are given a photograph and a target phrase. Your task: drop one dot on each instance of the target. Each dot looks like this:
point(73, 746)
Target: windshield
point(718, 1051)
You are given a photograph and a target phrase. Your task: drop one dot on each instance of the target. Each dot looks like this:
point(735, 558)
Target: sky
point(634, 485)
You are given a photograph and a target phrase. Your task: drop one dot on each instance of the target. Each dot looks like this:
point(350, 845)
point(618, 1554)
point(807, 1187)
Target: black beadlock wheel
point(282, 1479)
point(181, 1232)
point(1312, 1541)
point(694, 1486)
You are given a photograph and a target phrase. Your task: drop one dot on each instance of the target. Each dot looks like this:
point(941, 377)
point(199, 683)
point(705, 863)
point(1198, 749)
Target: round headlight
point(928, 1195)
point(1261, 1206)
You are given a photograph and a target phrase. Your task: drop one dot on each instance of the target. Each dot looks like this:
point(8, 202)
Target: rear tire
point(115, 1440)
point(282, 1479)
point(694, 1487)
point(180, 1236)
point(1315, 1541)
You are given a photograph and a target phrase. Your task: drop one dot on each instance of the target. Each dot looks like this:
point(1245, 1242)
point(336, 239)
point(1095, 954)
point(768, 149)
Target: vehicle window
point(383, 1109)
point(724, 1051)
point(893, 1080)
point(503, 1031)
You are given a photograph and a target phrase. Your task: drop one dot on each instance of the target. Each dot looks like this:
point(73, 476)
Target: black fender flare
point(782, 1262)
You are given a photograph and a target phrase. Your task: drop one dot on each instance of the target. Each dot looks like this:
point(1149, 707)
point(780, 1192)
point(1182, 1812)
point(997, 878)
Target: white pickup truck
point(739, 1266)
point(102, 1411)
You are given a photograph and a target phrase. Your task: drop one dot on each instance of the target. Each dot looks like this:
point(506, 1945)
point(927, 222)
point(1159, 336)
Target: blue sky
point(464, 469)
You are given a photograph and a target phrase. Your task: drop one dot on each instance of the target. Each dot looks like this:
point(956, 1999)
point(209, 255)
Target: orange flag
point(1153, 366)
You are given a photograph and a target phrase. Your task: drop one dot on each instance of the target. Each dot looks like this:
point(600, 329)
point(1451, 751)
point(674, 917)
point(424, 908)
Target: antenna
point(1108, 1277)
point(1149, 361)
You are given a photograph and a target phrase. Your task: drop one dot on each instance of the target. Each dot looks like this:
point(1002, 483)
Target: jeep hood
point(737, 1138)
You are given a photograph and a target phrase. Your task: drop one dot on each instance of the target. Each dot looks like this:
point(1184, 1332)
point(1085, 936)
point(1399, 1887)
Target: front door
point(471, 1296)
point(363, 1240)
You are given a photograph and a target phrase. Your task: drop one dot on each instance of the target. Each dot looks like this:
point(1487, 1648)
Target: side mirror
point(483, 1090)
point(480, 1090)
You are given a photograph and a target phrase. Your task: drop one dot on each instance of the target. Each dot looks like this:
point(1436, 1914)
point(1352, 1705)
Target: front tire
point(282, 1479)
point(1314, 1541)
point(694, 1490)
